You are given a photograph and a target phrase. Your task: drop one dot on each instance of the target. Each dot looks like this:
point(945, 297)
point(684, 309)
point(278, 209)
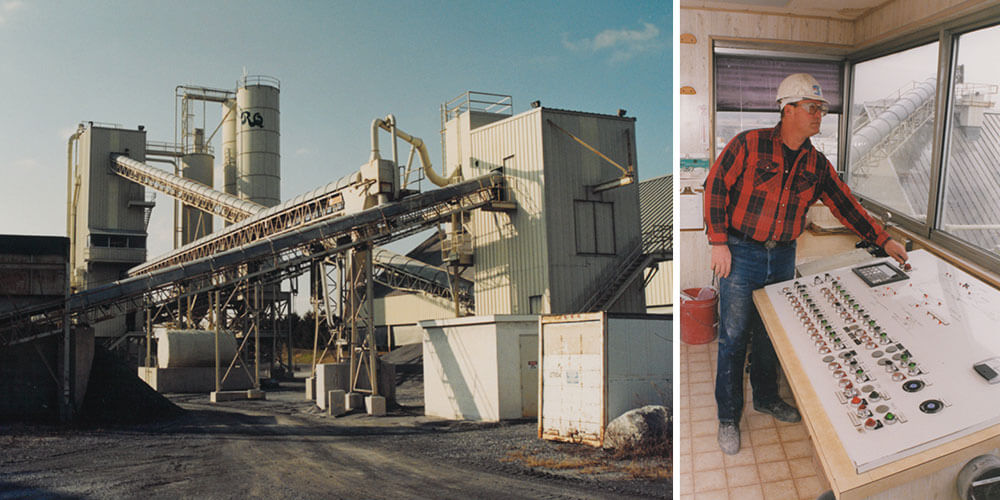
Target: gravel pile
point(117, 396)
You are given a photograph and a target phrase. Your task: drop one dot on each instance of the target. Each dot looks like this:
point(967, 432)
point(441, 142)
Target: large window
point(595, 227)
point(892, 127)
point(746, 85)
point(933, 164)
point(970, 208)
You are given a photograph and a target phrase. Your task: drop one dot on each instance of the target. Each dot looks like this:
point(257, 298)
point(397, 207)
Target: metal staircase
point(613, 282)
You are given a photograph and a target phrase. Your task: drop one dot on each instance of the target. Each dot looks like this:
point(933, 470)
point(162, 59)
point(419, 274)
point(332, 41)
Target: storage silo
point(258, 161)
point(229, 146)
point(196, 165)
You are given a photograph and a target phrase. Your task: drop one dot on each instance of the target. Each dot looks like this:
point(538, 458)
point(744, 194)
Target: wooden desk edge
point(837, 466)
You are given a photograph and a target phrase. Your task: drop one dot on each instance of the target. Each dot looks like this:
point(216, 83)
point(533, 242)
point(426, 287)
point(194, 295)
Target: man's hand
point(895, 249)
point(722, 260)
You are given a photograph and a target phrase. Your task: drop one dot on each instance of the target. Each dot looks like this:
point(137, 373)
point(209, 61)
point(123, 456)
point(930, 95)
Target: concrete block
point(386, 380)
point(375, 405)
point(336, 403)
point(311, 389)
point(174, 380)
point(250, 394)
point(354, 400)
point(331, 377)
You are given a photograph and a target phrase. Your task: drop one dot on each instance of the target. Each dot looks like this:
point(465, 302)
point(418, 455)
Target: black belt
point(769, 244)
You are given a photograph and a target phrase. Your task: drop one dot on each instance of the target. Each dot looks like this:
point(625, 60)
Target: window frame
point(946, 34)
point(777, 50)
point(594, 227)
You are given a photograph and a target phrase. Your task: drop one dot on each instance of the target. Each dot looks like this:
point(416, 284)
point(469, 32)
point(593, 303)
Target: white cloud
point(302, 152)
point(622, 44)
point(9, 7)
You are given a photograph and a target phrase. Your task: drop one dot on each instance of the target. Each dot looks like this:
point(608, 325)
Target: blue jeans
point(753, 267)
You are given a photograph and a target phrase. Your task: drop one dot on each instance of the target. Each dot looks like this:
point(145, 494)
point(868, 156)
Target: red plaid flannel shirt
point(744, 191)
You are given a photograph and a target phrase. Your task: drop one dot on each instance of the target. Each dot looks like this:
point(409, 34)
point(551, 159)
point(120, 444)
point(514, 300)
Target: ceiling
point(849, 10)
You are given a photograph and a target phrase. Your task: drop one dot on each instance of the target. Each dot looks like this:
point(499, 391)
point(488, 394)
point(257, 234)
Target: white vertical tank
point(197, 166)
point(258, 160)
point(229, 146)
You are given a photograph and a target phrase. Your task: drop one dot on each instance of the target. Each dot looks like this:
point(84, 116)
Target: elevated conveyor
point(192, 193)
point(299, 233)
point(403, 273)
point(394, 270)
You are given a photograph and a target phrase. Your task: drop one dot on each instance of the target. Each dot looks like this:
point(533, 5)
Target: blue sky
point(340, 64)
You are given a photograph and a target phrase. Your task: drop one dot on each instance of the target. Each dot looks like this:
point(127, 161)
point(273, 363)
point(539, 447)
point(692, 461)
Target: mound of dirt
point(116, 395)
point(410, 354)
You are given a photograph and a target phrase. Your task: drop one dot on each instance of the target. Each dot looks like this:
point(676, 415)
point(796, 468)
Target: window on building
point(932, 165)
point(746, 84)
point(535, 304)
point(892, 129)
point(595, 227)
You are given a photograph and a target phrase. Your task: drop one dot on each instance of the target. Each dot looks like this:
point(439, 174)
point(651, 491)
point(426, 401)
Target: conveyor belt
point(276, 256)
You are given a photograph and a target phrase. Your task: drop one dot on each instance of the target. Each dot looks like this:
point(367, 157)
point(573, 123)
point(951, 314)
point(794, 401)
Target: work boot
point(729, 437)
point(779, 410)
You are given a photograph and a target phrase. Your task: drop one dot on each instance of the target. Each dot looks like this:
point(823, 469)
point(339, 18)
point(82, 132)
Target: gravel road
point(285, 447)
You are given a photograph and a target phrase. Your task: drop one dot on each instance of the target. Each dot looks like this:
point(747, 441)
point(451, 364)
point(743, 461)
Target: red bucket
point(699, 323)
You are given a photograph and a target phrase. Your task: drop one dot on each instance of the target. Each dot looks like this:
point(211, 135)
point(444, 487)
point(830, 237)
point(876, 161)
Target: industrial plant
point(530, 299)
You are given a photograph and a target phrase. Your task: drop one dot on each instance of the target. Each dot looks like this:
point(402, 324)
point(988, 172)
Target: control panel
point(893, 353)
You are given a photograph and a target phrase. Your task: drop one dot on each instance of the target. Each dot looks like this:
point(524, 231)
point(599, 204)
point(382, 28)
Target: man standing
point(756, 197)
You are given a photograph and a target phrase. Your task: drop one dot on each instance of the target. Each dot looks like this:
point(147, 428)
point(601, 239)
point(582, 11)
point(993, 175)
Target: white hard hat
point(797, 87)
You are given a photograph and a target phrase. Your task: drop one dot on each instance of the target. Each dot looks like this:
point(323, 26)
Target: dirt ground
point(285, 447)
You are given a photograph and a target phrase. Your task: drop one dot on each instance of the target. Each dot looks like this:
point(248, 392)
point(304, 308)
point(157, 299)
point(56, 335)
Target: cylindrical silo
point(258, 160)
point(229, 146)
point(197, 166)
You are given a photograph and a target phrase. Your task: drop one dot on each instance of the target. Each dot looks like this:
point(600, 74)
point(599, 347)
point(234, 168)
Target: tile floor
point(776, 460)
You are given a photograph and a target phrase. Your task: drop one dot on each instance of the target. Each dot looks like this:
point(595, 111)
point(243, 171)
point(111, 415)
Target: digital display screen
point(879, 273)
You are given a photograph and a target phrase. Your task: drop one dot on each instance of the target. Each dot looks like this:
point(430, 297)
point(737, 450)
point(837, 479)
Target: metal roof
point(973, 183)
point(656, 207)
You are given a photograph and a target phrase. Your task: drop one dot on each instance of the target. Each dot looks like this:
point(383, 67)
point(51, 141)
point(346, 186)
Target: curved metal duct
point(879, 128)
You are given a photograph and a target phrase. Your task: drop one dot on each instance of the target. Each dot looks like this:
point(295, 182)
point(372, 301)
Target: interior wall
point(696, 109)
point(890, 20)
point(899, 17)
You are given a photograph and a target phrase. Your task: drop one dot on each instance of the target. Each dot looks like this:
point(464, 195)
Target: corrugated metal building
point(110, 229)
point(110, 214)
point(549, 254)
point(656, 201)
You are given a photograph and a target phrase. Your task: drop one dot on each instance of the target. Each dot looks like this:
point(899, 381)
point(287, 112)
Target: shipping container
point(595, 367)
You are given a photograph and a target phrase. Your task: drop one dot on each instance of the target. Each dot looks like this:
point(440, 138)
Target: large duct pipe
point(389, 125)
point(74, 139)
point(876, 130)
